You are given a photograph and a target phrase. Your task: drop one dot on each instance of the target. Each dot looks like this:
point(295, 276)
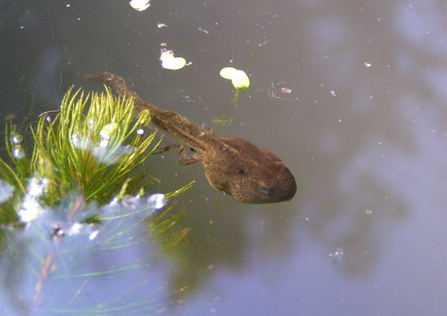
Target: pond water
point(350, 94)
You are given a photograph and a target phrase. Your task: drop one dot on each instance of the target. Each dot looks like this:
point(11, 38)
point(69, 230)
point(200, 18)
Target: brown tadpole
point(232, 165)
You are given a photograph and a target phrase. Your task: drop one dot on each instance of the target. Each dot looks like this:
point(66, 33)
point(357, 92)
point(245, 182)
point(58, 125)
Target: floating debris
point(203, 30)
point(337, 255)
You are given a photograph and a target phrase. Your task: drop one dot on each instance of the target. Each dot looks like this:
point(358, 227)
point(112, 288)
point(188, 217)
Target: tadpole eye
point(265, 190)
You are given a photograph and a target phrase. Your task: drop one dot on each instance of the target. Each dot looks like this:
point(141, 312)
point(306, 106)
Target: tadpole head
point(248, 173)
point(273, 185)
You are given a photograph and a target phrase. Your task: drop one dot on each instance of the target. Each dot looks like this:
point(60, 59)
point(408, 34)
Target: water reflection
point(57, 266)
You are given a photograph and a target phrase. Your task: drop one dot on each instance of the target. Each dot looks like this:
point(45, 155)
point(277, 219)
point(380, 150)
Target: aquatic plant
point(79, 185)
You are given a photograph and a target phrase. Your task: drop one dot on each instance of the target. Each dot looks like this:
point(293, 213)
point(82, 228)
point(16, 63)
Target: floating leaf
point(228, 73)
point(140, 5)
point(168, 61)
point(239, 78)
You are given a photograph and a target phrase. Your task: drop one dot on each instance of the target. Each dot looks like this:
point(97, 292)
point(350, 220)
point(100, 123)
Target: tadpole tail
point(119, 84)
point(114, 81)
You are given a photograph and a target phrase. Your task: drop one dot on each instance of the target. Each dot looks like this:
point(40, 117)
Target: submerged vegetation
point(77, 184)
point(76, 152)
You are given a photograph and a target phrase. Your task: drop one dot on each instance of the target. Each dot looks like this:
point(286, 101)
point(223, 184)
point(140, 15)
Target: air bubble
point(75, 229)
point(6, 191)
point(131, 202)
point(76, 140)
point(18, 152)
point(91, 123)
point(93, 235)
point(16, 139)
point(157, 201)
point(107, 131)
